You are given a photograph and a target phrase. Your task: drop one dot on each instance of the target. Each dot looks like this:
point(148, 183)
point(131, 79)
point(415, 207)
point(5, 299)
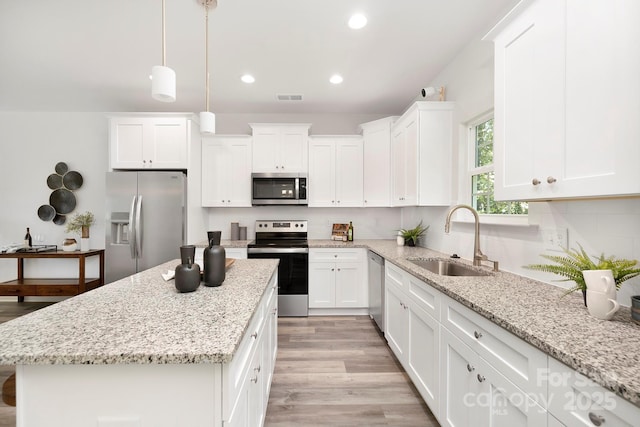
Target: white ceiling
point(90, 55)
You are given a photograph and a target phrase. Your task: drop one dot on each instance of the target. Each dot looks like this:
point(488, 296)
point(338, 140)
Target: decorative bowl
point(69, 245)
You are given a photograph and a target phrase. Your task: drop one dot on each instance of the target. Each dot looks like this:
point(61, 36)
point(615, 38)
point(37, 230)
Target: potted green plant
point(80, 223)
point(411, 235)
point(576, 261)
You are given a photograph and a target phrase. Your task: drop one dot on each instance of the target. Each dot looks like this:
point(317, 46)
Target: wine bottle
point(27, 238)
point(350, 232)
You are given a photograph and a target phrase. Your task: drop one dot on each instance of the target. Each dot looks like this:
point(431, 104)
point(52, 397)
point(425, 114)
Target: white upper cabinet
point(377, 162)
point(147, 142)
point(335, 171)
point(226, 171)
point(280, 148)
point(567, 100)
point(421, 149)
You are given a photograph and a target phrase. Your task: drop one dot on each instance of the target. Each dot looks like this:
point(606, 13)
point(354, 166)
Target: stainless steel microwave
point(278, 189)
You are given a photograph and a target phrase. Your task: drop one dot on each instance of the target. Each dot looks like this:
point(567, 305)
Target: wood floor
point(330, 371)
point(338, 371)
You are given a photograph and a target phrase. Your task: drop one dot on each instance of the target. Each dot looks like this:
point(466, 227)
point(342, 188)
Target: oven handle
point(277, 250)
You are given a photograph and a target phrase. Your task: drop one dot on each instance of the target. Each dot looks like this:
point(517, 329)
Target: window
point(481, 172)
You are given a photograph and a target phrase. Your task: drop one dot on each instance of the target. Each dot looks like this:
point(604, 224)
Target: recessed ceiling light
point(357, 21)
point(248, 78)
point(336, 79)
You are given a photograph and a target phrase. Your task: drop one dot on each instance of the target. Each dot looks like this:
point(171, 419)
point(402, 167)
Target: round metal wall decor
point(62, 200)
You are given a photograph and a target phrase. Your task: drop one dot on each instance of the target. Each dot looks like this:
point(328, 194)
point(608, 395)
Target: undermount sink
point(446, 268)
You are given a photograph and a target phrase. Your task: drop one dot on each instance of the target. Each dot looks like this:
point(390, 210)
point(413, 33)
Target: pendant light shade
point(163, 83)
point(207, 118)
point(207, 122)
point(163, 78)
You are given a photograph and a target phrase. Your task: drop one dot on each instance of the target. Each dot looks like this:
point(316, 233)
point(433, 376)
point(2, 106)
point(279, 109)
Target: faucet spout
point(478, 256)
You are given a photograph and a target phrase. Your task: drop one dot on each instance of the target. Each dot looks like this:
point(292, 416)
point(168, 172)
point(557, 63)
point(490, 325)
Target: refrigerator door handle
point(132, 229)
point(139, 228)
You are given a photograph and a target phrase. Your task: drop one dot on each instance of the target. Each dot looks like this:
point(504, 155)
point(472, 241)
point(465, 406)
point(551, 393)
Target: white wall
point(31, 144)
point(611, 226)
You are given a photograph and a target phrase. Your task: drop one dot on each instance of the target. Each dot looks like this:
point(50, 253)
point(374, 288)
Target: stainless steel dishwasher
point(376, 288)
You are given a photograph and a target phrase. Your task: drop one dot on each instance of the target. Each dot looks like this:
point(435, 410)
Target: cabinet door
point(395, 328)
point(459, 386)
point(322, 285)
point(322, 174)
point(411, 163)
point(529, 102)
point(423, 355)
point(215, 160)
point(398, 174)
point(377, 165)
point(238, 177)
point(166, 143)
point(294, 150)
point(126, 142)
point(348, 173)
point(602, 126)
point(502, 403)
point(435, 147)
point(226, 171)
point(266, 149)
point(350, 286)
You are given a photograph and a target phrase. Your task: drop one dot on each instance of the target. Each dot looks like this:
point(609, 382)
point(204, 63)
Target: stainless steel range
point(286, 241)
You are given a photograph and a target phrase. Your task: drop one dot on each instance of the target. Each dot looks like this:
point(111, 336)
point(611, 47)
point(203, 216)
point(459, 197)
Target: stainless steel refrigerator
point(146, 220)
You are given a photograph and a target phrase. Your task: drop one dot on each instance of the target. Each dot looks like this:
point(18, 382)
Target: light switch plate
point(555, 238)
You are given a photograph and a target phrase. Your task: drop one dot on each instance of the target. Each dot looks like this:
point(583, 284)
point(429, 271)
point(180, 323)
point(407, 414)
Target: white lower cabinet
point(338, 278)
point(247, 379)
point(412, 333)
point(468, 370)
point(575, 400)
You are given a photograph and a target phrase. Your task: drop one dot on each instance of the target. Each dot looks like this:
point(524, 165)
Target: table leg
point(20, 275)
point(82, 287)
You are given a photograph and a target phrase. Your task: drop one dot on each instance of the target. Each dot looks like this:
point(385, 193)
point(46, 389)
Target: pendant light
point(163, 78)
point(207, 118)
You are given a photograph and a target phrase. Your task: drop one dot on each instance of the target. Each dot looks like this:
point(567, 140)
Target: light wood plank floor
point(338, 371)
point(330, 371)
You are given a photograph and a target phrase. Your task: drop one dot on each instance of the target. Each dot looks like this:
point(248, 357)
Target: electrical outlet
point(555, 238)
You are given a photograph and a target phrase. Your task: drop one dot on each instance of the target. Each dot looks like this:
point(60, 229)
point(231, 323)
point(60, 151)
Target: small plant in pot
point(412, 235)
point(576, 261)
point(80, 223)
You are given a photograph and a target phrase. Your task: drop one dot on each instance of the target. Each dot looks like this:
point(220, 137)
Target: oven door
point(293, 278)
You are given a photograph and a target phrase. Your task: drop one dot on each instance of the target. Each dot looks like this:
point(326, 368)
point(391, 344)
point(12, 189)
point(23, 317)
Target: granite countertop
point(141, 319)
point(608, 352)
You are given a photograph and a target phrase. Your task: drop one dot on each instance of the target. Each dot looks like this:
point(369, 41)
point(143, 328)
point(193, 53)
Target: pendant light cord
point(206, 50)
point(164, 45)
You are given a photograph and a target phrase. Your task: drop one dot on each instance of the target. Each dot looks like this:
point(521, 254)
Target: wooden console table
point(22, 287)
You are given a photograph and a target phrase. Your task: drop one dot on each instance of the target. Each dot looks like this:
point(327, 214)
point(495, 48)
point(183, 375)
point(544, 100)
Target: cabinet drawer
point(393, 274)
point(326, 254)
point(576, 400)
point(517, 360)
point(426, 297)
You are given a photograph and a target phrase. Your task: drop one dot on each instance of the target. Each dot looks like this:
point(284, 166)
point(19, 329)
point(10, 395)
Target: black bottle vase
point(214, 260)
point(187, 277)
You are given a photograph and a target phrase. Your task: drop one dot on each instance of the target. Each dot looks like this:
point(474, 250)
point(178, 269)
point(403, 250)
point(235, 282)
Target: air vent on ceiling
point(289, 96)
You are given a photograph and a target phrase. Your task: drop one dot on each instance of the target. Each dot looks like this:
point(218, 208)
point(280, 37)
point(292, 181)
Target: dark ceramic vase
point(213, 237)
point(214, 260)
point(410, 242)
point(186, 253)
point(187, 277)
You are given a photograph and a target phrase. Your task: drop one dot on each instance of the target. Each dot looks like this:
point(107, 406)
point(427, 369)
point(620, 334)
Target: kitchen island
point(136, 352)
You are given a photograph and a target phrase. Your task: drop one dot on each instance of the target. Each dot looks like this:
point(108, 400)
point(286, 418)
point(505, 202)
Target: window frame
point(468, 132)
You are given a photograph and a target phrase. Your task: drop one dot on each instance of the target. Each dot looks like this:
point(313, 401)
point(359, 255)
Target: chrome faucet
point(478, 256)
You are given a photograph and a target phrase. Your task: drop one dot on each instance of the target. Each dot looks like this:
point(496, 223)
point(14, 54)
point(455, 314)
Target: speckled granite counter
point(608, 352)
point(141, 319)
